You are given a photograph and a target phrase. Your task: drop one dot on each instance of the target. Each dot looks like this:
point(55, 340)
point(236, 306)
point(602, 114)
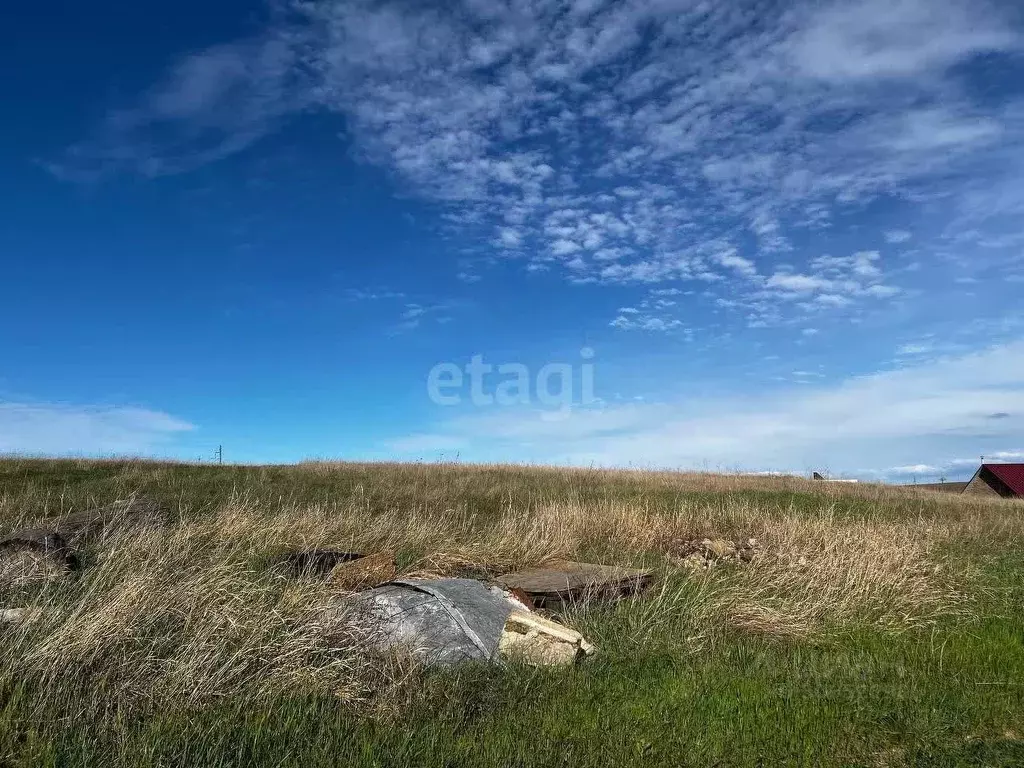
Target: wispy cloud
point(1005, 456)
point(381, 294)
point(961, 468)
point(209, 105)
point(629, 142)
point(878, 39)
point(914, 470)
point(897, 236)
point(652, 314)
point(59, 429)
point(413, 315)
point(907, 418)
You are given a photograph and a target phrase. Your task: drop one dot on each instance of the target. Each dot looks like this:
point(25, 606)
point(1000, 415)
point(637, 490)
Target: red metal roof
point(1011, 474)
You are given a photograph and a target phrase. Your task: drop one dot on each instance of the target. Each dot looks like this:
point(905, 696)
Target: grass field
point(876, 626)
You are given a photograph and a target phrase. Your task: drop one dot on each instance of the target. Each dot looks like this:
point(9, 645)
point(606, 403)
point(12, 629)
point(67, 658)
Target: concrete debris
point(562, 582)
point(448, 621)
point(701, 554)
point(542, 642)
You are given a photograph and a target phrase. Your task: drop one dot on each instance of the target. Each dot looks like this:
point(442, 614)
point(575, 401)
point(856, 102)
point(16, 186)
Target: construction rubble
point(438, 621)
point(701, 554)
point(445, 621)
point(449, 620)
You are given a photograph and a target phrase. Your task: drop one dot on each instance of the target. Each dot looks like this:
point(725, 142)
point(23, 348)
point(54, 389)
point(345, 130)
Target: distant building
point(819, 476)
point(1006, 480)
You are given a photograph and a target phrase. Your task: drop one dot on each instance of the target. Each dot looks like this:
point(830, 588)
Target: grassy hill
point(874, 626)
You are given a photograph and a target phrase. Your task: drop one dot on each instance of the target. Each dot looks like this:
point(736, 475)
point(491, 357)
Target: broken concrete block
point(536, 640)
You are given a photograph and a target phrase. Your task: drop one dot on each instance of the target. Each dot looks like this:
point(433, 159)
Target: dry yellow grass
point(191, 612)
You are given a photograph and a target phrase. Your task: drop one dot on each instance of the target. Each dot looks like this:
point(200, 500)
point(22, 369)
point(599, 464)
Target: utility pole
point(220, 454)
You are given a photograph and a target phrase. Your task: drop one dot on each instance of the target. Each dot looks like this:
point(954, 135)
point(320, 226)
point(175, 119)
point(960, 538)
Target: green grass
point(749, 702)
point(947, 693)
point(48, 484)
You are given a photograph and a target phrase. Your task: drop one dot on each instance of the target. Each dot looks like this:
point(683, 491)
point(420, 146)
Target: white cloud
point(893, 39)
point(634, 321)
point(658, 313)
point(832, 300)
point(914, 469)
point(564, 247)
point(1005, 456)
point(732, 260)
point(798, 283)
point(57, 429)
point(414, 314)
point(881, 291)
point(897, 236)
point(914, 349)
point(634, 142)
point(961, 468)
point(913, 415)
point(364, 294)
point(864, 264)
point(508, 237)
point(971, 463)
point(210, 105)
point(938, 129)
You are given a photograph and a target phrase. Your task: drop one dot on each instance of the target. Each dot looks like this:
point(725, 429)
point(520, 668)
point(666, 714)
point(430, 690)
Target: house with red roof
point(1006, 480)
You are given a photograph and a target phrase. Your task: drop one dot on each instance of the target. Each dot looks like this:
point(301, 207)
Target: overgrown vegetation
point(875, 626)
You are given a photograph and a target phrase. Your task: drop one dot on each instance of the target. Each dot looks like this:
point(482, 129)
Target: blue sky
point(790, 233)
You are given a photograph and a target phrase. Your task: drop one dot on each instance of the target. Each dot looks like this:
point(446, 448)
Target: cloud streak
point(904, 417)
point(210, 105)
point(60, 429)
